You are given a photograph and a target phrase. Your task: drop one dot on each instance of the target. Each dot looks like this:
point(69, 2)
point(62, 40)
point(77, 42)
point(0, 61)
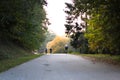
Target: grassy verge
point(106, 58)
point(9, 63)
point(12, 54)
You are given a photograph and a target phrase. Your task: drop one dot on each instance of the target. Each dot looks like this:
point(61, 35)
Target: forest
point(92, 25)
point(99, 28)
point(23, 22)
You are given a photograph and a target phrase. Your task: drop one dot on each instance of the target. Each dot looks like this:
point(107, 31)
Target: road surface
point(61, 67)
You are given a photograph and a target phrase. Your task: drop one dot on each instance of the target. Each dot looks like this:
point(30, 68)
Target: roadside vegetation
point(58, 44)
point(104, 58)
point(12, 55)
point(23, 24)
point(98, 30)
point(9, 63)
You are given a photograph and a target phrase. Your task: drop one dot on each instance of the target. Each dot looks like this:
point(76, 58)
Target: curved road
point(62, 67)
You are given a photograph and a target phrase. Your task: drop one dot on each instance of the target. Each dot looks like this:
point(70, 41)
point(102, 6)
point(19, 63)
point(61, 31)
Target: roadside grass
point(106, 58)
point(12, 54)
point(9, 63)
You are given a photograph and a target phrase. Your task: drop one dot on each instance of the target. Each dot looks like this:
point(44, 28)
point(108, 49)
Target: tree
point(22, 22)
point(58, 44)
point(102, 21)
point(49, 37)
point(74, 30)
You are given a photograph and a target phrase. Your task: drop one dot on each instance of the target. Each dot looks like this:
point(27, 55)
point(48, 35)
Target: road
point(61, 67)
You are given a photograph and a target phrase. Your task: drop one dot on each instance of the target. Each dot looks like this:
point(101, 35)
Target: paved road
point(61, 67)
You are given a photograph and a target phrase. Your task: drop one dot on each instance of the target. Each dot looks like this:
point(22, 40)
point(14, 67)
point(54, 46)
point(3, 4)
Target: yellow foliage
point(58, 44)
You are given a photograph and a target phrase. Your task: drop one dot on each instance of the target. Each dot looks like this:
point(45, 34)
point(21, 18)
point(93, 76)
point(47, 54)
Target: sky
point(56, 16)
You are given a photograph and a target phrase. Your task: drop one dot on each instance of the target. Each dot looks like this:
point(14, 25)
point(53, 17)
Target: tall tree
point(22, 22)
point(75, 30)
point(102, 20)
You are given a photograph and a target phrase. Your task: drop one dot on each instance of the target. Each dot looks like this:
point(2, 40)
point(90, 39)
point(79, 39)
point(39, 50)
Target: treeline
point(100, 19)
point(23, 22)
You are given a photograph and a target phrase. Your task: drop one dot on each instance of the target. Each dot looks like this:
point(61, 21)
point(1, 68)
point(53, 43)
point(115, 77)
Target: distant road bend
point(61, 67)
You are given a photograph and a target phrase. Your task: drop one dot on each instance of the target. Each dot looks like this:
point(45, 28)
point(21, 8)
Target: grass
point(12, 54)
point(9, 63)
point(106, 58)
point(9, 50)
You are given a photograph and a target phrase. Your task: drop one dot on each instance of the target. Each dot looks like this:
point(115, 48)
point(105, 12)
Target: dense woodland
point(101, 19)
point(23, 22)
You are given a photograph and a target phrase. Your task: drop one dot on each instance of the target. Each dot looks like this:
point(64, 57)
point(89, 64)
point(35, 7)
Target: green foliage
point(105, 20)
point(74, 30)
point(22, 22)
point(49, 37)
point(94, 34)
point(12, 55)
point(102, 21)
point(78, 41)
point(9, 50)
